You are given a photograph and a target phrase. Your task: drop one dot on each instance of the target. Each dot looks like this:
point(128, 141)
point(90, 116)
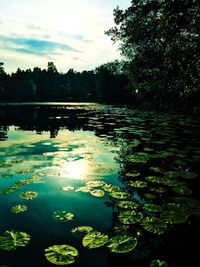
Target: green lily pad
point(81, 229)
point(159, 190)
point(153, 179)
point(126, 204)
point(19, 208)
point(67, 188)
point(151, 207)
point(137, 184)
point(94, 239)
point(182, 190)
point(95, 183)
point(154, 225)
point(188, 175)
point(130, 217)
point(63, 216)
point(189, 205)
point(158, 263)
point(174, 214)
point(6, 175)
point(29, 195)
point(84, 189)
point(61, 254)
point(119, 195)
point(11, 189)
point(97, 193)
point(10, 240)
point(111, 188)
point(25, 171)
point(122, 243)
point(132, 174)
point(156, 169)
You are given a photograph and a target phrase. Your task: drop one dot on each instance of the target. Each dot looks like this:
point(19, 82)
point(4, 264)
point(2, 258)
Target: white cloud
point(77, 24)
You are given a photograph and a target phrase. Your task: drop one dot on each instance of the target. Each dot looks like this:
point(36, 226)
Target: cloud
point(34, 46)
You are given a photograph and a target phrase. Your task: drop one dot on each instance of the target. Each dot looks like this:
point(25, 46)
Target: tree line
point(105, 84)
point(160, 43)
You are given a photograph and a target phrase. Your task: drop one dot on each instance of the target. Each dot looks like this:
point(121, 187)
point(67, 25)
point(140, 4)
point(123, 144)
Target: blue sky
point(68, 32)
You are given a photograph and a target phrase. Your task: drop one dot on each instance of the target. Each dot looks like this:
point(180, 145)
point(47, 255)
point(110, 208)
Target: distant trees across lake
point(104, 84)
point(160, 42)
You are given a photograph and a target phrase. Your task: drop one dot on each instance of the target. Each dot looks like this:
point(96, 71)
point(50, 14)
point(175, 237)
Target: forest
point(160, 44)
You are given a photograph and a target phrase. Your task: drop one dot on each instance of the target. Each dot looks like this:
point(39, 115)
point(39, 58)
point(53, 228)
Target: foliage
point(10, 240)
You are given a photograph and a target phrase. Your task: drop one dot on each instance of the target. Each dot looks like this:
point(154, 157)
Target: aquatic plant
point(12, 239)
point(121, 243)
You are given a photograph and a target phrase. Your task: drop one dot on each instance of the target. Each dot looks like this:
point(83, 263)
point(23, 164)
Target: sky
point(68, 32)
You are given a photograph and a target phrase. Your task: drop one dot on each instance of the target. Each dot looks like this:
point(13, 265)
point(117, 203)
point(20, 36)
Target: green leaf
point(151, 207)
point(97, 193)
point(29, 195)
point(126, 204)
point(154, 225)
point(158, 263)
point(10, 240)
point(122, 243)
point(119, 195)
point(138, 184)
point(81, 229)
point(61, 254)
point(130, 217)
point(63, 216)
point(19, 208)
point(94, 239)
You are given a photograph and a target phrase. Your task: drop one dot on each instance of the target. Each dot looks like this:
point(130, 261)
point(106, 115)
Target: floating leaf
point(67, 188)
point(153, 179)
point(95, 183)
point(19, 208)
point(122, 243)
point(61, 254)
point(111, 188)
point(188, 175)
point(175, 214)
point(159, 190)
point(94, 239)
point(10, 240)
point(63, 216)
point(29, 195)
point(97, 193)
point(158, 263)
point(182, 190)
point(84, 189)
point(151, 207)
point(149, 196)
point(154, 225)
point(81, 229)
point(132, 174)
point(119, 195)
point(126, 204)
point(138, 184)
point(11, 189)
point(130, 217)
point(156, 169)
point(25, 171)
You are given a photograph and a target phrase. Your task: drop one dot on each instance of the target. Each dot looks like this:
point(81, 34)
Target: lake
point(98, 185)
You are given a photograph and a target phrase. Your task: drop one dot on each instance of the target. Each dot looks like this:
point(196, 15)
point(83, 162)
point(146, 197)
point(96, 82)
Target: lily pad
point(84, 189)
point(10, 240)
point(81, 229)
point(11, 189)
point(25, 171)
point(29, 195)
point(19, 208)
point(154, 225)
point(174, 215)
point(67, 188)
point(188, 175)
point(97, 193)
point(63, 216)
point(61, 254)
point(122, 243)
point(95, 183)
point(182, 190)
point(119, 195)
point(137, 184)
point(151, 207)
point(153, 179)
point(94, 239)
point(111, 188)
point(158, 263)
point(132, 174)
point(126, 204)
point(130, 217)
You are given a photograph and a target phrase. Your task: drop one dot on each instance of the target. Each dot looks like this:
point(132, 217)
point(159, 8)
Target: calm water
point(67, 146)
